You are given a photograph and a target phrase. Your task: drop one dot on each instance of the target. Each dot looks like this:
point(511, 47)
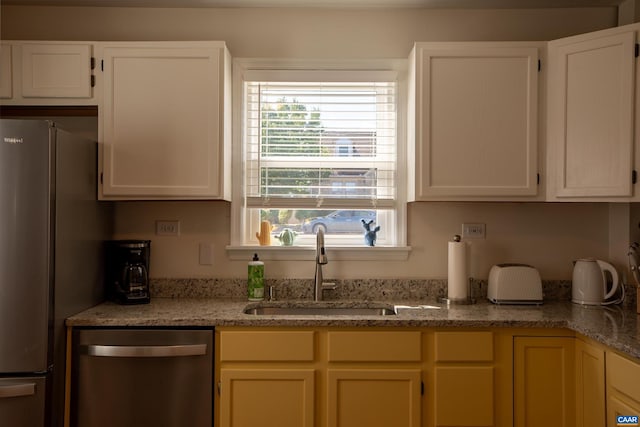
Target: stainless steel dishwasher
point(142, 377)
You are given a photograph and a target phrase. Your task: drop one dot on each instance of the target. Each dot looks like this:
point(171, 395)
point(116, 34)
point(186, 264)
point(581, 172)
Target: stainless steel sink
point(322, 310)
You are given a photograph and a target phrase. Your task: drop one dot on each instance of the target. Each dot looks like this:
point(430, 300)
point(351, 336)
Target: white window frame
point(240, 251)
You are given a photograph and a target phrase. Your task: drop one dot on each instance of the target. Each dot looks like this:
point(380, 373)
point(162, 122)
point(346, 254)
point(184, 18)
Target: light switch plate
point(206, 254)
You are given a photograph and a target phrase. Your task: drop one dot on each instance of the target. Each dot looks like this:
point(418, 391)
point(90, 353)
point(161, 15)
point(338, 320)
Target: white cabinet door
point(590, 116)
point(475, 121)
point(162, 121)
point(6, 80)
point(56, 70)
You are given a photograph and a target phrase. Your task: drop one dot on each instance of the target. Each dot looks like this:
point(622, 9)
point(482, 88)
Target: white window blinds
point(327, 143)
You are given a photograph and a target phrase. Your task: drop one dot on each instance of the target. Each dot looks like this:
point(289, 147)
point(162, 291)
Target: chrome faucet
point(321, 259)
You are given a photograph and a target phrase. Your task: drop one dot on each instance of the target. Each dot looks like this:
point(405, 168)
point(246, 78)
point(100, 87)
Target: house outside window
point(319, 150)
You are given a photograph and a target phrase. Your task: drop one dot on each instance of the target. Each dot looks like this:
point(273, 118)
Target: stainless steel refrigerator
point(52, 233)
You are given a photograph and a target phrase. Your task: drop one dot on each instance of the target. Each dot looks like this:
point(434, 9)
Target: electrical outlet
point(473, 231)
point(168, 228)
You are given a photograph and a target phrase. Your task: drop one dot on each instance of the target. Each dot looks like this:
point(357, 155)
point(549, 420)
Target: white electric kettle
point(589, 284)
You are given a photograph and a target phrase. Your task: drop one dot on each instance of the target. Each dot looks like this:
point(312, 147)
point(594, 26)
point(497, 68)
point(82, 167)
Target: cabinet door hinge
point(422, 388)
point(539, 65)
point(637, 48)
point(538, 178)
point(101, 178)
point(92, 62)
point(634, 176)
point(93, 80)
point(219, 387)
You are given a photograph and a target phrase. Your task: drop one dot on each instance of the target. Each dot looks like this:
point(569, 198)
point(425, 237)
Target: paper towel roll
point(458, 281)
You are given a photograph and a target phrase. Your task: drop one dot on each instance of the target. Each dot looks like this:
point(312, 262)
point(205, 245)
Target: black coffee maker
point(128, 271)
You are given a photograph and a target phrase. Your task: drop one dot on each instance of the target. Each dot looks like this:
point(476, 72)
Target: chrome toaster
point(514, 284)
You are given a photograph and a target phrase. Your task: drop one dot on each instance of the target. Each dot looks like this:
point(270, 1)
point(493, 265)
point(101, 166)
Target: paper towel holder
point(457, 297)
point(463, 301)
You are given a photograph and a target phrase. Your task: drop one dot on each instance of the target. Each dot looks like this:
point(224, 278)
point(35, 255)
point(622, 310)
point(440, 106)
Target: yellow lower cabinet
point(464, 396)
point(374, 378)
point(267, 377)
point(267, 397)
point(544, 382)
point(623, 388)
point(619, 408)
point(590, 397)
point(374, 398)
point(464, 378)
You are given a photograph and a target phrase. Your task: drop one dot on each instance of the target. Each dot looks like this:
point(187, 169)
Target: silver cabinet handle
point(17, 390)
point(146, 351)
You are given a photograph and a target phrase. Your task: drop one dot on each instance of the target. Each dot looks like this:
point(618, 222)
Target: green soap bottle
point(255, 279)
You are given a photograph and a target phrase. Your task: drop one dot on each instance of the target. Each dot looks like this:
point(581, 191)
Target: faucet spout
point(321, 259)
point(321, 256)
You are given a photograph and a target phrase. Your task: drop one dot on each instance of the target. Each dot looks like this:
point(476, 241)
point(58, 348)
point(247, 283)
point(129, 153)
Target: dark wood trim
point(47, 111)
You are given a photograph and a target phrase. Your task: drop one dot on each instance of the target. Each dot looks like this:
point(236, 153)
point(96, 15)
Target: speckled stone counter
point(613, 326)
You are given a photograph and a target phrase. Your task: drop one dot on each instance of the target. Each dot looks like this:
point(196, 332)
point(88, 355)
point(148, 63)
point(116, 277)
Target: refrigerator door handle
point(145, 351)
point(17, 390)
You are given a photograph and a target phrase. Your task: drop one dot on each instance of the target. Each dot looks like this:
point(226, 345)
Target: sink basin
point(320, 310)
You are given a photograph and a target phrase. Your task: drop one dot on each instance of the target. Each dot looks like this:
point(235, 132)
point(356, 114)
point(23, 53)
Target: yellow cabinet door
point(267, 397)
point(374, 398)
point(617, 407)
point(544, 382)
point(464, 396)
point(464, 377)
point(623, 387)
point(590, 396)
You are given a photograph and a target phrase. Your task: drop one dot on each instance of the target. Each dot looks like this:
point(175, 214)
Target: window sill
point(335, 253)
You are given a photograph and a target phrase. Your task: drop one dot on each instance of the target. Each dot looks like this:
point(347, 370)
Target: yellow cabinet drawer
point(374, 346)
point(464, 346)
point(267, 346)
point(623, 375)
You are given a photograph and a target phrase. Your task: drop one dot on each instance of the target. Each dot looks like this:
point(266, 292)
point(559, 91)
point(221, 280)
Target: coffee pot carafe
point(590, 285)
point(128, 271)
point(135, 279)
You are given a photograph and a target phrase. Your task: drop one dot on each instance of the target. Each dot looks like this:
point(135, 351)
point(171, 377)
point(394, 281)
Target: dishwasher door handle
point(146, 350)
point(17, 390)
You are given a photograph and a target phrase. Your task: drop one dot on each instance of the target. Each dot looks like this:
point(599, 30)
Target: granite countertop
point(613, 326)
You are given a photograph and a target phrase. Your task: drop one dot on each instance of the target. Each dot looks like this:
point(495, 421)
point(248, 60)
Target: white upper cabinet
point(56, 70)
point(473, 121)
point(165, 120)
point(590, 116)
point(6, 79)
point(47, 73)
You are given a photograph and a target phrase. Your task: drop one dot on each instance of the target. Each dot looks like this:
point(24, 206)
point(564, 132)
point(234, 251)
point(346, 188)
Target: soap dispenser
point(255, 279)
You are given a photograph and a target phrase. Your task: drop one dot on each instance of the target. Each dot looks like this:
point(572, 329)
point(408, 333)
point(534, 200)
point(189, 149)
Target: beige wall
point(629, 12)
point(546, 235)
point(303, 32)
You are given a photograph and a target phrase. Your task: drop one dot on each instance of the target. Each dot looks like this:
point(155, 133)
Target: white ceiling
point(467, 4)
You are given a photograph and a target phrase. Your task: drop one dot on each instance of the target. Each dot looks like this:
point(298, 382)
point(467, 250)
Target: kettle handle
point(605, 266)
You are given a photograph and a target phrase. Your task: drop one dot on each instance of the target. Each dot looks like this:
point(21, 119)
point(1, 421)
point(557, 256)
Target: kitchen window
point(318, 149)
